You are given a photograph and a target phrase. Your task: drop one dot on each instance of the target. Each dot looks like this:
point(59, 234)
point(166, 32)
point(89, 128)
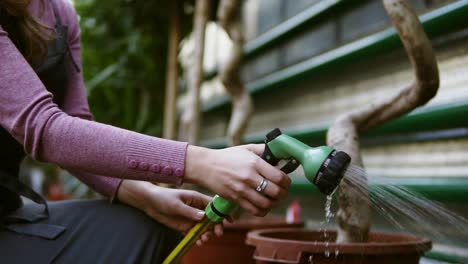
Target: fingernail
point(200, 214)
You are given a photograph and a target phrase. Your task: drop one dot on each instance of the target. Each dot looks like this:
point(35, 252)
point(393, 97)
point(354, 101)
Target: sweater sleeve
point(48, 134)
point(75, 101)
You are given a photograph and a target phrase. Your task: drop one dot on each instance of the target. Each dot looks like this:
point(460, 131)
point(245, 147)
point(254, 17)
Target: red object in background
point(293, 213)
point(55, 192)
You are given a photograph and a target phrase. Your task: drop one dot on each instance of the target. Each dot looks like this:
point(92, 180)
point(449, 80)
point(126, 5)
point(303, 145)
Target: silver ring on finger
point(262, 186)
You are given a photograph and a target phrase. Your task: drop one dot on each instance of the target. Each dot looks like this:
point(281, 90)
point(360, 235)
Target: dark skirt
point(96, 232)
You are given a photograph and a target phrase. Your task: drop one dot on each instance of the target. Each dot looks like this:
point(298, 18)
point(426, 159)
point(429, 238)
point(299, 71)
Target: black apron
point(54, 75)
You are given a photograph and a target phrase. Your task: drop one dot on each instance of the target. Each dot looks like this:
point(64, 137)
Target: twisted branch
point(353, 215)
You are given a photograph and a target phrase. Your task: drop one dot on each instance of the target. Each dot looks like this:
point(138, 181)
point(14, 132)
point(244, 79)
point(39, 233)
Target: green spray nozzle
point(323, 166)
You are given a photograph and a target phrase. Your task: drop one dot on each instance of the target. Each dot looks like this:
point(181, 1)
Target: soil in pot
point(287, 245)
point(231, 247)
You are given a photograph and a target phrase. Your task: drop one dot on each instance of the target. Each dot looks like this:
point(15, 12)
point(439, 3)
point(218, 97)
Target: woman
point(44, 113)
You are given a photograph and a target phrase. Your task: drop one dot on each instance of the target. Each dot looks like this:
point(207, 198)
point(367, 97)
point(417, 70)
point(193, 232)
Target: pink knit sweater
point(67, 137)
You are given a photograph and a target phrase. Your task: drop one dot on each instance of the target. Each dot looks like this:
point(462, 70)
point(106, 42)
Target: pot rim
point(262, 223)
point(409, 243)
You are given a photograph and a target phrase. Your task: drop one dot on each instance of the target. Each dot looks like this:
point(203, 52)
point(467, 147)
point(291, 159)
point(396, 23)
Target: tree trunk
point(190, 120)
point(353, 214)
point(172, 75)
point(229, 17)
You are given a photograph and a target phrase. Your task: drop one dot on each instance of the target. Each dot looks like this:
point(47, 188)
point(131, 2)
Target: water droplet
point(337, 252)
point(328, 212)
point(328, 215)
point(311, 259)
point(327, 253)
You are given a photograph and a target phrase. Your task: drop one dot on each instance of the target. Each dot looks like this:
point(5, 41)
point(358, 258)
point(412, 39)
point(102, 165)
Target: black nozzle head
point(331, 172)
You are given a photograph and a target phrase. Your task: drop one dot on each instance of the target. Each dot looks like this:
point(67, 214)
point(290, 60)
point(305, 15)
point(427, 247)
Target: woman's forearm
point(48, 134)
point(104, 185)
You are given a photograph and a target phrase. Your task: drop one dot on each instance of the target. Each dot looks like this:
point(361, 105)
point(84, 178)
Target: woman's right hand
point(234, 173)
point(178, 209)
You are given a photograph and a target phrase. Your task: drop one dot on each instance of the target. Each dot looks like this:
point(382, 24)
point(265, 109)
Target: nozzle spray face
point(331, 172)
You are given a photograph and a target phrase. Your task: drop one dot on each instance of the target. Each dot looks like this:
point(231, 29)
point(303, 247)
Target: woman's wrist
point(133, 193)
point(196, 165)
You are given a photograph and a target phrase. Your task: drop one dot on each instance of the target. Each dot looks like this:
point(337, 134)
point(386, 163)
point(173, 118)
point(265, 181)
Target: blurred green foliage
point(124, 46)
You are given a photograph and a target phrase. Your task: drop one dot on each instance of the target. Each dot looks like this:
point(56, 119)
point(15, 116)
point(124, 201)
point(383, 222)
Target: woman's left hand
point(175, 208)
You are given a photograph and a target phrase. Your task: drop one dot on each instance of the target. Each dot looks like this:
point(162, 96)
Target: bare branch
point(172, 75)
point(229, 17)
point(190, 119)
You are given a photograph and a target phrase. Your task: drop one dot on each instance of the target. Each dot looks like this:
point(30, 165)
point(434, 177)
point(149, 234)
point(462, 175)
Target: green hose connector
point(219, 208)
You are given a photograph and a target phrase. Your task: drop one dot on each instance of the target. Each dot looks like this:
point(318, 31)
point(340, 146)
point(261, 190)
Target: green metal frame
point(435, 23)
point(290, 26)
point(424, 119)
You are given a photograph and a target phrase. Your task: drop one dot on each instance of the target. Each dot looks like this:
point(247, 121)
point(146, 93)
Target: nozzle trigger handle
point(290, 166)
point(268, 156)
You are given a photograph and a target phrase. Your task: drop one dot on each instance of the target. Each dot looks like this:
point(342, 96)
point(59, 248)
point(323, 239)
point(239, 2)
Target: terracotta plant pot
point(311, 246)
point(231, 247)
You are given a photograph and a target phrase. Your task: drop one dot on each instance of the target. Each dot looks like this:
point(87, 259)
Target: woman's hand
point(235, 173)
point(177, 209)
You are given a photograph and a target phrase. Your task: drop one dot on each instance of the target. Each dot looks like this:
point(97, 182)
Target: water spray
point(323, 166)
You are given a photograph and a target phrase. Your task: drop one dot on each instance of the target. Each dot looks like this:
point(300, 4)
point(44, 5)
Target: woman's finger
point(249, 207)
point(274, 191)
point(273, 174)
point(258, 198)
point(196, 199)
point(256, 148)
point(270, 190)
point(177, 223)
point(189, 212)
point(218, 230)
point(205, 237)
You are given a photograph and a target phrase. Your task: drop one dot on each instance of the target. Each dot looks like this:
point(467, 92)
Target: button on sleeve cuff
point(157, 160)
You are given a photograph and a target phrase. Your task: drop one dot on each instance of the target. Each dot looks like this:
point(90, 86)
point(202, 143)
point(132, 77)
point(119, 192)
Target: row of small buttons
point(166, 170)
